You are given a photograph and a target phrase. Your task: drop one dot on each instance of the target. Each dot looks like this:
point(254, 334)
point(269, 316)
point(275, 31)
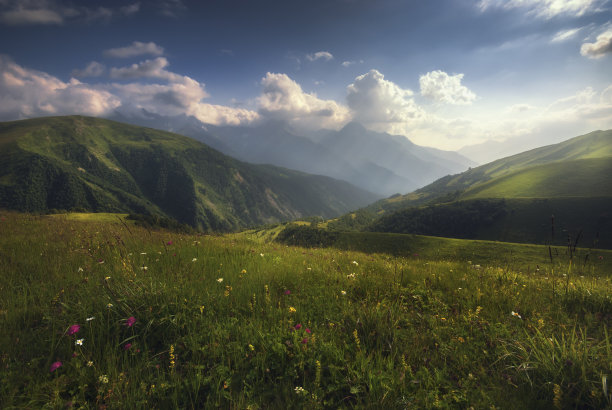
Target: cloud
point(320, 55)
point(601, 47)
point(130, 9)
point(520, 108)
point(546, 9)
point(380, 103)
point(441, 87)
point(564, 35)
point(146, 69)
point(93, 69)
point(171, 8)
point(283, 99)
point(137, 48)
point(29, 12)
point(29, 93)
point(350, 63)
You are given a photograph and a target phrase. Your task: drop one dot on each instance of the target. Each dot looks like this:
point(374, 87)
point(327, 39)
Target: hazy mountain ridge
point(378, 162)
point(101, 165)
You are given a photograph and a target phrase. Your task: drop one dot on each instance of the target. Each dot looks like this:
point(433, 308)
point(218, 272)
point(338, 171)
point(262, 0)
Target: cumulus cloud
point(441, 87)
point(601, 46)
point(137, 48)
point(29, 93)
point(320, 55)
point(93, 69)
point(379, 103)
point(546, 8)
point(146, 69)
point(283, 99)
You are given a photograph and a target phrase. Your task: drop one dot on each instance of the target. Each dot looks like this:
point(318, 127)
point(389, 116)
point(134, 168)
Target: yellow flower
point(202, 309)
point(251, 347)
point(243, 271)
point(292, 309)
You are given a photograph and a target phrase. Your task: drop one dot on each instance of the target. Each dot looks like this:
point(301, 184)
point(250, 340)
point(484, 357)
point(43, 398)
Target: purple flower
point(287, 292)
point(127, 346)
point(308, 331)
point(55, 366)
point(298, 326)
point(130, 321)
point(169, 243)
point(304, 340)
point(73, 329)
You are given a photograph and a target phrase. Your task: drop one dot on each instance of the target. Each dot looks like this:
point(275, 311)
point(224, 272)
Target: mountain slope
point(552, 194)
point(102, 165)
point(377, 162)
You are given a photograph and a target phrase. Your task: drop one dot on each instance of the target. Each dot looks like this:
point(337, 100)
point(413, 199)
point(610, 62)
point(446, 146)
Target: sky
point(444, 73)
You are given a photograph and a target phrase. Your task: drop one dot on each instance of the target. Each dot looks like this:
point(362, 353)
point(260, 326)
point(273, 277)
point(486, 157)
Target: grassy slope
point(407, 332)
point(66, 162)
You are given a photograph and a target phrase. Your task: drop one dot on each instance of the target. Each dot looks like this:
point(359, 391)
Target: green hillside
point(511, 199)
point(103, 166)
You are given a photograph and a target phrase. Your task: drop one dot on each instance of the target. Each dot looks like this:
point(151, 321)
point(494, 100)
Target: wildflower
point(201, 309)
point(516, 314)
point(172, 357)
point(194, 259)
point(308, 331)
point(299, 390)
point(89, 363)
point(351, 276)
point(79, 342)
point(143, 253)
point(89, 319)
point(304, 340)
point(251, 347)
point(220, 280)
point(80, 269)
point(169, 243)
point(107, 278)
point(355, 263)
point(261, 254)
point(109, 305)
point(243, 271)
point(73, 329)
point(228, 290)
point(287, 292)
point(55, 366)
point(298, 326)
point(292, 309)
point(127, 346)
point(343, 292)
point(143, 267)
point(103, 379)
point(100, 261)
point(129, 322)
point(462, 340)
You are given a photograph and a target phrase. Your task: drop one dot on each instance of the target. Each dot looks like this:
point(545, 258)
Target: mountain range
point(100, 165)
point(377, 162)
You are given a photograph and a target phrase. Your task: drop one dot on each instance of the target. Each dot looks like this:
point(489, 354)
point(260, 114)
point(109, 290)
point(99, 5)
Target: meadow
point(106, 314)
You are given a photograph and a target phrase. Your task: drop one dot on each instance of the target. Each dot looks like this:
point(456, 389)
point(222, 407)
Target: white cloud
point(283, 99)
point(520, 108)
point(546, 8)
point(146, 69)
point(441, 87)
point(137, 48)
point(93, 69)
point(320, 55)
point(29, 93)
point(350, 63)
point(601, 47)
point(37, 12)
point(22, 16)
point(564, 35)
point(379, 103)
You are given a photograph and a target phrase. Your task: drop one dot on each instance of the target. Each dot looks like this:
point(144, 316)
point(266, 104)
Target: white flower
point(343, 292)
point(89, 363)
point(103, 379)
point(261, 254)
point(516, 314)
point(79, 342)
point(80, 269)
point(194, 259)
point(220, 280)
point(89, 319)
point(355, 263)
point(143, 268)
point(143, 253)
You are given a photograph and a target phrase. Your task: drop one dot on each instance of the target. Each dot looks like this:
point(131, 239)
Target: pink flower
point(130, 321)
point(308, 331)
point(287, 292)
point(304, 340)
point(73, 329)
point(127, 346)
point(298, 326)
point(55, 366)
point(169, 243)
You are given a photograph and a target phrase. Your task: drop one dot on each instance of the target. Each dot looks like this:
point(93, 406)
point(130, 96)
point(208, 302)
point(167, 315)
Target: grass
point(287, 327)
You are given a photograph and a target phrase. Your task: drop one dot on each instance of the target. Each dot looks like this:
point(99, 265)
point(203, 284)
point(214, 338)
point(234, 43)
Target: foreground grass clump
point(112, 315)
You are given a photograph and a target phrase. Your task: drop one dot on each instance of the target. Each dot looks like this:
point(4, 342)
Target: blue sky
point(444, 73)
